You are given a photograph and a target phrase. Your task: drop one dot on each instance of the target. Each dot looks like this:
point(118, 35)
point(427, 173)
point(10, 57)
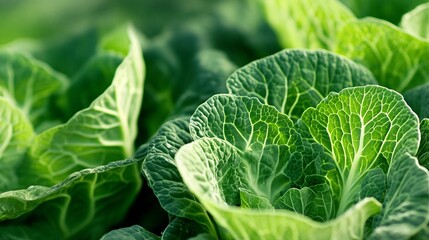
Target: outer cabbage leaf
point(29, 84)
point(206, 78)
point(405, 208)
point(294, 80)
point(163, 177)
point(416, 21)
point(130, 233)
point(418, 99)
point(306, 23)
point(80, 206)
point(398, 60)
point(101, 133)
point(16, 134)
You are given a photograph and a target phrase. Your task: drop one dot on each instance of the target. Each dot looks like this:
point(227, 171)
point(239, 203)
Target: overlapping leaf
point(162, 175)
point(212, 166)
point(248, 154)
point(79, 206)
point(99, 134)
point(81, 180)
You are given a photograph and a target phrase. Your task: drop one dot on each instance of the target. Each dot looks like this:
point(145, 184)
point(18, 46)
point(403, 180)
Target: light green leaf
point(306, 23)
point(416, 21)
point(30, 84)
point(294, 80)
point(423, 153)
point(363, 128)
point(130, 233)
point(405, 208)
point(101, 133)
point(398, 60)
point(83, 205)
point(418, 99)
point(248, 199)
point(16, 134)
point(209, 168)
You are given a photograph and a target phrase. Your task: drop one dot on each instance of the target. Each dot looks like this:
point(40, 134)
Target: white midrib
point(353, 176)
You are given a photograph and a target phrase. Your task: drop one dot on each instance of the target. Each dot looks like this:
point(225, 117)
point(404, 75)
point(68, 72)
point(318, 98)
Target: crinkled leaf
point(30, 84)
point(84, 205)
point(130, 233)
point(316, 202)
point(306, 23)
point(101, 133)
point(264, 137)
point(406, 207)
point(208, 167)
point(418, 99)
point(163, 177)
point(374, 185)
point(294, 80)
point(16, 134)
point(363, 128)
point(248, 199)
point(231, 164)
point(398, 60)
